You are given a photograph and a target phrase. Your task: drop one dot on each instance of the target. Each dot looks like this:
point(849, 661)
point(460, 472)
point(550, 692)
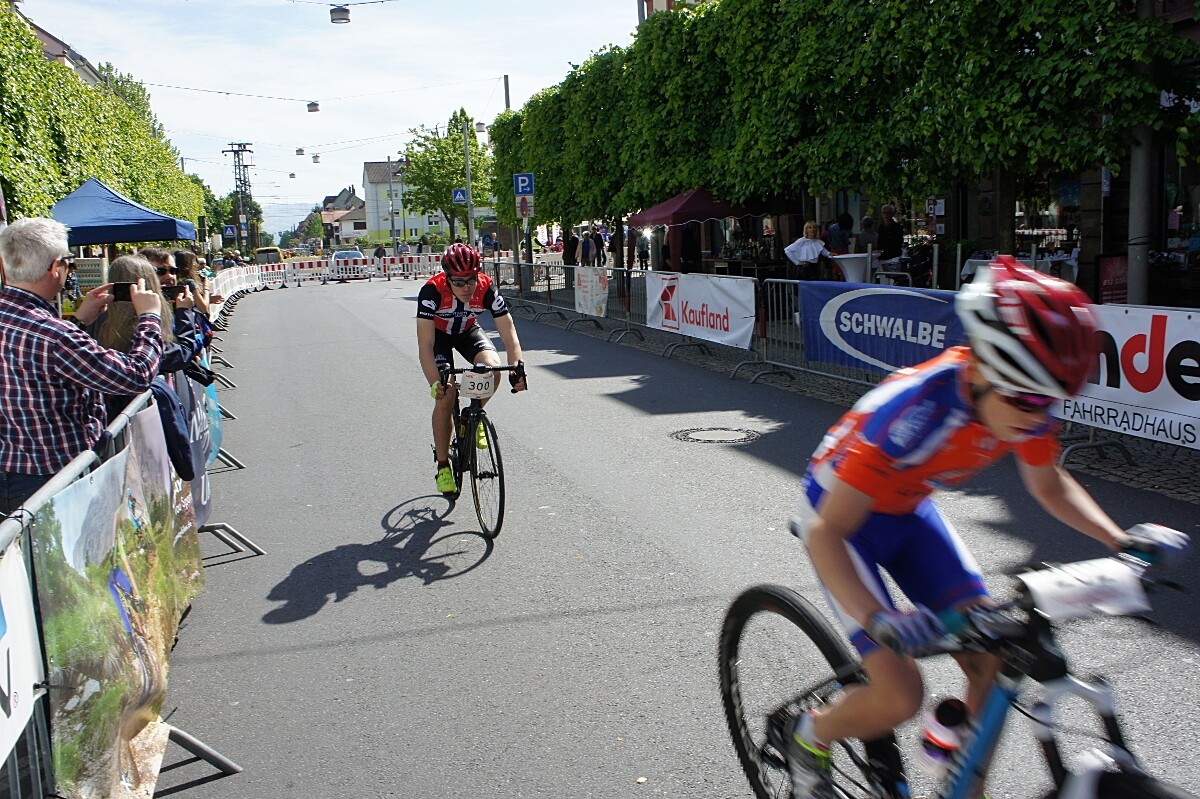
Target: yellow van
point(268, 255)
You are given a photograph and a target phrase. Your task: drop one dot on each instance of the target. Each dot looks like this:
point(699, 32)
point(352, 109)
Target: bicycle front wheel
point(1124, 785)
point(771, 641)
point(487, 478)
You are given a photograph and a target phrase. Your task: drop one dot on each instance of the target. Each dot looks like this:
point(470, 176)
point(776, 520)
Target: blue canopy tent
point(98, 215)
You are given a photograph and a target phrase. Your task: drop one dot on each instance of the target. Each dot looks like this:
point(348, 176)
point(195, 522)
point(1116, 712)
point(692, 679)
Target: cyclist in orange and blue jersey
point(866, 506)
point(448, 307)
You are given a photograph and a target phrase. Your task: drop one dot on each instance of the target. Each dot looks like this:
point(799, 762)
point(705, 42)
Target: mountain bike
point(762, 658)
point(484, 464)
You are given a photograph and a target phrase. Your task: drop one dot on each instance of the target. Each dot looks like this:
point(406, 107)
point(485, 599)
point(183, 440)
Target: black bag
point(201, 374)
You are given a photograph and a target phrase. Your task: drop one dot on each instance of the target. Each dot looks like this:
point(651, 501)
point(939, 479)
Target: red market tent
point(696, 205)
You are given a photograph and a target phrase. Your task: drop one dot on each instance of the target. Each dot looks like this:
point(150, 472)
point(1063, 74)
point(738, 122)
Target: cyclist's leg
point(894, 690)
point(938, 571)
point(479, 349)
point(443, 409)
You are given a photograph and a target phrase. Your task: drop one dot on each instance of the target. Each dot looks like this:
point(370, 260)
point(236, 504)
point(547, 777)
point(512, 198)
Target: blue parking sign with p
point(523, 184)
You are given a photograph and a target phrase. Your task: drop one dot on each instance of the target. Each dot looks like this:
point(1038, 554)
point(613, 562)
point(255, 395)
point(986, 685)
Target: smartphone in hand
point(173, 293)
point(120, 292)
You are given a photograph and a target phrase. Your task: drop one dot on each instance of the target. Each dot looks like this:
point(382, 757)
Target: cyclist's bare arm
point(843, 511)
point(1064, 499)
point(425, 336)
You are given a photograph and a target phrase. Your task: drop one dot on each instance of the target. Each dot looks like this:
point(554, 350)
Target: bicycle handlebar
point(991, 628)
point(518, 371)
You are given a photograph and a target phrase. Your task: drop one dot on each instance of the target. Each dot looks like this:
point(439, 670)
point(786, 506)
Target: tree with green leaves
point(313, 228)
point(897, 98)
point(133, 93)
point(56, 132)
point(215, 209)
point(437, 166)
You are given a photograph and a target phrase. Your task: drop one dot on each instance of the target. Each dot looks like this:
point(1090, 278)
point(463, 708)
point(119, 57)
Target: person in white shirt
point(806, 253)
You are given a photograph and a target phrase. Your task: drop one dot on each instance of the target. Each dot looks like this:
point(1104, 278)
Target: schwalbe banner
point(881, 328)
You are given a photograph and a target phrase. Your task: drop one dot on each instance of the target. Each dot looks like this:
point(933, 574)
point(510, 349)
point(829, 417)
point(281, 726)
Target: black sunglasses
point(461, 283)
point(162, 271)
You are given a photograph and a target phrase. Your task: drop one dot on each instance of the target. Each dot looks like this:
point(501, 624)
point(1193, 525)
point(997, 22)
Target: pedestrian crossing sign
point(460, 196)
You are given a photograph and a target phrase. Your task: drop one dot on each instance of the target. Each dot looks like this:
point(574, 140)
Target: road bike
point(484, 464)
point(762, 659)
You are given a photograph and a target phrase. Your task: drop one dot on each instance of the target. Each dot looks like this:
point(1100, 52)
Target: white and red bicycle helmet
point(1031, 332)
point(459, 260)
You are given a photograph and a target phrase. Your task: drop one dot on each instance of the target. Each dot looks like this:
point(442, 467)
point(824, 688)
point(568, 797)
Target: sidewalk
point(1161, 468)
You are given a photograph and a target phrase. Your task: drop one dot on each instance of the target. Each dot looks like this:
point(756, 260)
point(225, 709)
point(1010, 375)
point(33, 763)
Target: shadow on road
point(412, 546)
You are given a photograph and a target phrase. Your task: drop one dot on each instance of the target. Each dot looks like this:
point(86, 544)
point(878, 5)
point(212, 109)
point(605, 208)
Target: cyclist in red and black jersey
point(448, 308)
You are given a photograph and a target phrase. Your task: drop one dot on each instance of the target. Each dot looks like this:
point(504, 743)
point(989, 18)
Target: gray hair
point(30, 246)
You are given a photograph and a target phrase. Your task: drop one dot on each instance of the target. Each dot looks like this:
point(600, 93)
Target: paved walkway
point(1168, 470)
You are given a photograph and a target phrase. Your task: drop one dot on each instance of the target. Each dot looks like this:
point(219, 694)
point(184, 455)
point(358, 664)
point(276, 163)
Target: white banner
point(1149, 381)
point(719, 309)
point(591, 290)
point(20, 652)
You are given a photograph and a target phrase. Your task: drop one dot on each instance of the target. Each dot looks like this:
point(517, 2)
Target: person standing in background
point(571, 249)
point(891, 234)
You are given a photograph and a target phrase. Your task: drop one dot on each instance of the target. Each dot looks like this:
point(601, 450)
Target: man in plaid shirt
point(52, 374)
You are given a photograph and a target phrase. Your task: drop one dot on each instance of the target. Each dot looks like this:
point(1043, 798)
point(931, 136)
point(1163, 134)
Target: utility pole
point(241, 184)
point(470, 202)
point(391, 210)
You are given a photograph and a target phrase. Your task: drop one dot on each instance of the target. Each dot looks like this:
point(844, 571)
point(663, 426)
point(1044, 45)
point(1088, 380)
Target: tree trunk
point(1006, 213)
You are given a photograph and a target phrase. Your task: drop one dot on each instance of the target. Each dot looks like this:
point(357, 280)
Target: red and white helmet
point(459, 260)
point(1030, 332)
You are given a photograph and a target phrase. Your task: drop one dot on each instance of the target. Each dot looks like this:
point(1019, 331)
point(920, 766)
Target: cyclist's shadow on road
point(413, 545)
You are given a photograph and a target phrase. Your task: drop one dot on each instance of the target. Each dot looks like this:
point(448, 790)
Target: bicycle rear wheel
point(771, 641)
point(487, 479)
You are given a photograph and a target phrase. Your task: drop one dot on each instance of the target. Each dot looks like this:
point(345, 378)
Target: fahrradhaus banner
point(1148, 383)
point(881, 328)
point(719, 309)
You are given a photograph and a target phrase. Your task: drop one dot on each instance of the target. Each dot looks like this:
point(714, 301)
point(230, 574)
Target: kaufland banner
point(1148, 384)
point(881, 328)
point(719, 309)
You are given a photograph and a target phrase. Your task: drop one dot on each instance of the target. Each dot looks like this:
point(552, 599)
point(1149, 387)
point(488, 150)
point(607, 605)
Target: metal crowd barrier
point(28, 769)
point(780, 337)
point(547, 289)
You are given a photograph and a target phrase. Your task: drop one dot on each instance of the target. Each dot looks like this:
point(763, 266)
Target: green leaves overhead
point(768, 98)
point(56, 132)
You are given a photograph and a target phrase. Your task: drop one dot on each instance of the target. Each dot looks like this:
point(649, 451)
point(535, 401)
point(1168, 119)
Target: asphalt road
point(382, 648)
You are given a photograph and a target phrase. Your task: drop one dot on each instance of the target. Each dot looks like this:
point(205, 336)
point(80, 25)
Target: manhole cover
point(716, 435)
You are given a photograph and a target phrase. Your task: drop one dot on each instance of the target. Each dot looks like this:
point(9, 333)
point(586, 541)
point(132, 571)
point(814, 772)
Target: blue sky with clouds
point(396, 66)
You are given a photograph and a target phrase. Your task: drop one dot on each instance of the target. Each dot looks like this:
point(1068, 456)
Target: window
point(360, 225)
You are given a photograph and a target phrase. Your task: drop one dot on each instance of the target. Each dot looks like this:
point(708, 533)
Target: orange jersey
point(914, 432)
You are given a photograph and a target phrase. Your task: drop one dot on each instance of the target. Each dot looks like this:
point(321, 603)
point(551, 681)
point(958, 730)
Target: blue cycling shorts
point(919, 550)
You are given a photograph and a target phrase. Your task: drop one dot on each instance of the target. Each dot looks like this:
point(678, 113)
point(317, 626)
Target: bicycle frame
point(1045, 664)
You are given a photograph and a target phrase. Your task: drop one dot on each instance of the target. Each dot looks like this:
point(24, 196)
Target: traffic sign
point(525, 207)
point(229, 231)
point(523, 184)
point(460, 196)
